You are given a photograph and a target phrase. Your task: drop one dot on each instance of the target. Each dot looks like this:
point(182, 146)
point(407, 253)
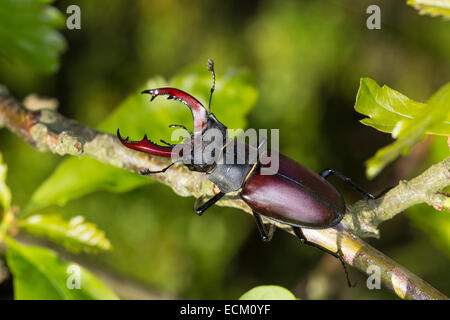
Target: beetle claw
point(198, 110)
point(153, 93)
point(147, 146)
point(120, 137)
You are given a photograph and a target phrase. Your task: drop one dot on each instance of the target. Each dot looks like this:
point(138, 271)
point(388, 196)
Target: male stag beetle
point(294, 195)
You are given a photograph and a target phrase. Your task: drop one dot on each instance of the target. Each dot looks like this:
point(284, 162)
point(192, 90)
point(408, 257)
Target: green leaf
point(38, 273)
point(28, 35)
point(5, 193)
point(432, 7)
point(76, 234)
point(407, 120)
point(389, 110)
point(268, 293)
point(75, 177)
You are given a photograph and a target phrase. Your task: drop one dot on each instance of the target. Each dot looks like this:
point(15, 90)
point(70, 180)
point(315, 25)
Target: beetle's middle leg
point(299, 233)
point(266, 234)
point(328, 172)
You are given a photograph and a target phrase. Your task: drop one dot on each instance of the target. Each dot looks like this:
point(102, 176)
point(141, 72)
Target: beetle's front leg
point(208, 204)
point(147, 171)
point(169, 144)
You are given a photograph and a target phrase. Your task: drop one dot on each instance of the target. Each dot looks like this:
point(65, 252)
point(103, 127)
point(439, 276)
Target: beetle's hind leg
point(328, 172)
point(299, 233)
point(266, 234)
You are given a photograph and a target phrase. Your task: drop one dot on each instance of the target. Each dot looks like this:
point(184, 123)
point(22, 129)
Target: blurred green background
point(306, 59)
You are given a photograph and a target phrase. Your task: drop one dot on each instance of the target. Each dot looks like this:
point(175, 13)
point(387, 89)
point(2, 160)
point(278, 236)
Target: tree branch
point(364, 217)
point(47, 130)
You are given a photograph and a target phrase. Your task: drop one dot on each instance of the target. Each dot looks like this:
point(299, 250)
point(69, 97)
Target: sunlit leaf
point(5, 193)
point(28, 34)
point(76, 234)
point(38, 273)
point(233, 99)
point(268, 293)
point(407, 120)
point(389, 110)
point(432, 7)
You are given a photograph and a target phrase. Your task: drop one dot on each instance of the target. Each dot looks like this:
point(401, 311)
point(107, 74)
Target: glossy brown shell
point(295, 195)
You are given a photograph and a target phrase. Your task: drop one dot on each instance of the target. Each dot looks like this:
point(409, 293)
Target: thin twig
point(47, 130)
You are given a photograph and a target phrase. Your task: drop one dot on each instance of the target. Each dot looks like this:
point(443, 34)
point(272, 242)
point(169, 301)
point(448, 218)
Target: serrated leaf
point(28, 34)
point(432, 7)
point(5, 192)
point(75, 235)
point(407, 120)
point(38, 273)
point(387, 109)
point(233, 99)
point(268, 293)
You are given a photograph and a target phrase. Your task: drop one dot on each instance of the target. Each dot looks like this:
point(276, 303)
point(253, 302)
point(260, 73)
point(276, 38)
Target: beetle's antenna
point(211, 68)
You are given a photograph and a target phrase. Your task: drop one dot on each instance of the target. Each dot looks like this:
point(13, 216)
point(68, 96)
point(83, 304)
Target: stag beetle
point(294, 195)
